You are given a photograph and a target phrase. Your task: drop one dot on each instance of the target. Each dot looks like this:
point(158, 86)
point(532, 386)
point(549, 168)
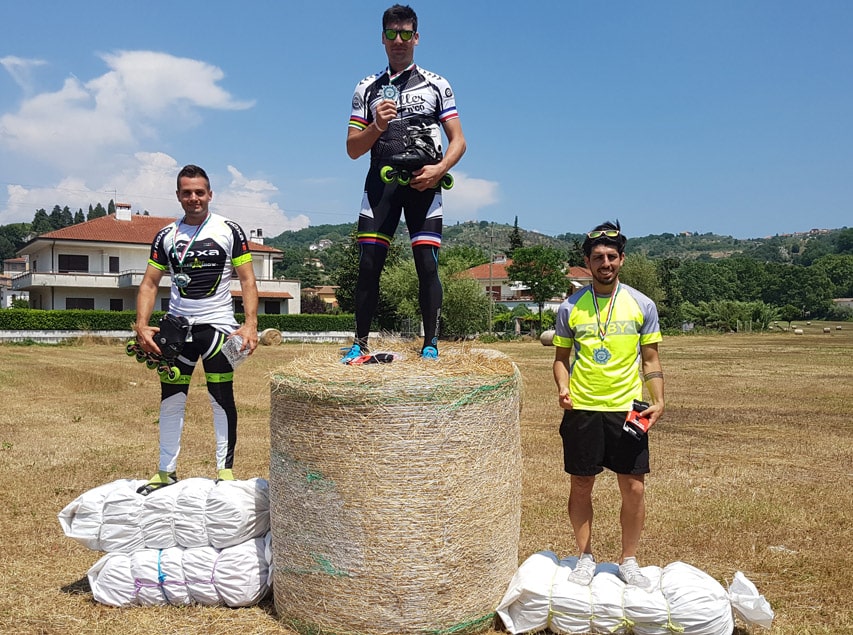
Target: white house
point(11, 268)
point(100, 263)
point(494, 280)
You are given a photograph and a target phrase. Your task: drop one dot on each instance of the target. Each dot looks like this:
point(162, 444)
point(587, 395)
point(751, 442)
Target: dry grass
point(751, 471)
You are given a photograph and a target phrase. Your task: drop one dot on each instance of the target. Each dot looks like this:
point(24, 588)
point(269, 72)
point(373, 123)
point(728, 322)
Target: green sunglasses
point(598, 233)
point(391, 34)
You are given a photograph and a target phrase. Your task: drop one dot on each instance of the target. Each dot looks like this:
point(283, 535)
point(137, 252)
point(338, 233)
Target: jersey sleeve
point(650, 329)
point(360, 116)
point(240, 253)
point(563, 334)
point(447, 99)
point(159, 257)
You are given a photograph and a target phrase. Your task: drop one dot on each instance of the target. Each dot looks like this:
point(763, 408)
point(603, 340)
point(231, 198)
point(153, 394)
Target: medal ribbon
point(391, 77)
point(181, 258)
point(602, 331)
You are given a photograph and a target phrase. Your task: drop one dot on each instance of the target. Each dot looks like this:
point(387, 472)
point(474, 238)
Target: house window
point(272, 307)
point(70, 263)
point(114, 267)
point(116, 304)
point(164, 304)
point(80, 303)
point(238, 305)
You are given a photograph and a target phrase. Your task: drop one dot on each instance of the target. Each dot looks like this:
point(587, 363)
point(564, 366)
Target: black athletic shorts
point(594, 440)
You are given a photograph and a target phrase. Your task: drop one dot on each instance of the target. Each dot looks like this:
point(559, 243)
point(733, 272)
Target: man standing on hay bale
point(199, 251)
point(397, 115)
point(614, 332)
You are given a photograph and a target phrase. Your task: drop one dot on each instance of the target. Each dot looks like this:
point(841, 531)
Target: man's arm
point(653, 378)
point(430, 175)
point(359, 142)
point(249, 286)
point(562, 357)
point(146, 296)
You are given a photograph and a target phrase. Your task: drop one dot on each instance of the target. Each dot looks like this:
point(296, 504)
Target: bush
point(74, 320)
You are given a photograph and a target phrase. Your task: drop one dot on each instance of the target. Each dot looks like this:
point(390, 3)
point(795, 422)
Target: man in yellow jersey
point(606, 343)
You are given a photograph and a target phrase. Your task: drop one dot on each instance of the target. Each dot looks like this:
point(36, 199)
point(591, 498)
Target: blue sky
point(732, 117)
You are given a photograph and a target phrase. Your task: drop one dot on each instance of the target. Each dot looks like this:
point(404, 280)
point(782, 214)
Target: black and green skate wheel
point(404, 179)
point(447, 181)
point(130, 348)
point(386, 174)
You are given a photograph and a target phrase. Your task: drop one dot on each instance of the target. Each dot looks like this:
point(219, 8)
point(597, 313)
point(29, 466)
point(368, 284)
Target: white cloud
point(468, 196)
point(147, 183)
point(84, 125)
point(19, 68)
point(247, 201)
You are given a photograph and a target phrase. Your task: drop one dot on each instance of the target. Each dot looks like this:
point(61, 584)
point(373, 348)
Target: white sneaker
point(630, 572)
point(584, 570)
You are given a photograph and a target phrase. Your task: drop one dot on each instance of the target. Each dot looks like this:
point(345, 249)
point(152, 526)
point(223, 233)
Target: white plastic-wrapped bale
point(395, 492)
point(683, 599)
point(191, 513)
point(239, 575)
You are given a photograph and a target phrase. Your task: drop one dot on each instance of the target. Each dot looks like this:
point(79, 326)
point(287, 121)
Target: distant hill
point(494, 238)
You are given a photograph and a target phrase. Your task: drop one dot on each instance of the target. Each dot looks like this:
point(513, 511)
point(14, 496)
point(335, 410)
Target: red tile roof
point(139, 230)
point(498, 272)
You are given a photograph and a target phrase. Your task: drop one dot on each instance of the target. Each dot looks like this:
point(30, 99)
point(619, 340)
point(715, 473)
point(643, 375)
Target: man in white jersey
point(199, 252)
point(400, 112)
point(606, 343)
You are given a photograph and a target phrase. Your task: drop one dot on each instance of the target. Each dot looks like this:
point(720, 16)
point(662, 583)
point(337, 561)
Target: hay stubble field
point(751, 471)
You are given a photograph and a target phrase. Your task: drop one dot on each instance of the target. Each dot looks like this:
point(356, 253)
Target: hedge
point(73, 320)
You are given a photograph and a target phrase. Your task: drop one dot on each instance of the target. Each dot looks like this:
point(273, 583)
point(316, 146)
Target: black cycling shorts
point(594, 440)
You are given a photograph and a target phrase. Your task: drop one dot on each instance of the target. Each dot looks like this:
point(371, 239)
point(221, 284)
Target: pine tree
point(66, 217)
point(97, 212)
point(515, 241)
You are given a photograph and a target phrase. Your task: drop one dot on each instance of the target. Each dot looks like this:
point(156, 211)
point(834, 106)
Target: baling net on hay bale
point(395, 492)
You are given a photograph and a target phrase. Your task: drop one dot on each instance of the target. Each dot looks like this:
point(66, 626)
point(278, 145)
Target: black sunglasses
point(391, 34)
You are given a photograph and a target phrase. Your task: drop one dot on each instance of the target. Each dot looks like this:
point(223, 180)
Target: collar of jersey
point(391, 77)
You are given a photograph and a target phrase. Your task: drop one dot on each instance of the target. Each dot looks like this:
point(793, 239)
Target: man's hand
point(428, 177)
point(385, 112)
point(565, 399)
point(145, 338)
point(250, 337)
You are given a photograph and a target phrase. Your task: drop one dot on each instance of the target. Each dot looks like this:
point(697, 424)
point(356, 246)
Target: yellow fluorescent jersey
point(606, 368)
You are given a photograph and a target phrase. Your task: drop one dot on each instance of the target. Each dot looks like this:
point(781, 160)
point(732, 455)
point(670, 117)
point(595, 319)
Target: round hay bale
point(547, 337)
point(798, 331)
point(395, 492)
point(270, 337)
point(826, 329)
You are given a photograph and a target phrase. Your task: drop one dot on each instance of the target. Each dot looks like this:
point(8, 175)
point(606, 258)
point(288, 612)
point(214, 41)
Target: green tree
point(576, 258)
point(55, 217)
point(642, 274)
point(461, 257)
point(66, 218)
point(7, 249)
point(111, 207)
point(844, 241)
point(97, 212)
point(789, 313)
point(669, 310)
point(515, 241)
point(312, 303)
point(79, 217)
point(465, 308)
point(41, 222)
point(541, 270)
point(839, 269)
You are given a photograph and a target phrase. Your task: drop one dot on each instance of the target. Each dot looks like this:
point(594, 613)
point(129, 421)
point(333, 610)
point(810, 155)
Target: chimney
point(259, 235)
point(122, 211)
